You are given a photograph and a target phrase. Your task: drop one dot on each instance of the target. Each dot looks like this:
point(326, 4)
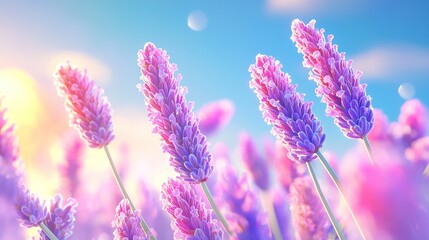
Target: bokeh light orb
point(197, 20)
point(406, 91)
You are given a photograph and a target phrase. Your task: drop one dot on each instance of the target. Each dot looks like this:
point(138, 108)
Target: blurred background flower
point(213, 43)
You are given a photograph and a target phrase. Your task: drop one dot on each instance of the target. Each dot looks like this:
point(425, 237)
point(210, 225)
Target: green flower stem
point(124, 192)
point(47, 231)
point(322, 198)
point(274, 224)
point(368, 149)
point(216, 209)
point(340, 188)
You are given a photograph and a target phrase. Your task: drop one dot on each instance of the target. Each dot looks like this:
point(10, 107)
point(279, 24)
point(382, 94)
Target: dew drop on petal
point(197, 20)
point(406, 91)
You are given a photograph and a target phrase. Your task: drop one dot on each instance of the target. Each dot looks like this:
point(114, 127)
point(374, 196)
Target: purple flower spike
point(293, 121)
point(70, 170)
point(241, 206)
point(127, 223)
point(31, 210)
point(215, 115)
point(89, 110)
point(173, 117)
point(257, 166)
point(191, 220)
point(338, 84)
point(309, 219)
point(9, 151)
point(9, 155)
point(60, 219)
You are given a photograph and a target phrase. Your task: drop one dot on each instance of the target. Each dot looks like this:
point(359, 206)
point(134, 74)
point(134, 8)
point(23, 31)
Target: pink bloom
point(380, 132)
point(191, 219)
point(418, 152)
point(308, 216)
point(89, 110)
point(412, 122)
point(215, 115)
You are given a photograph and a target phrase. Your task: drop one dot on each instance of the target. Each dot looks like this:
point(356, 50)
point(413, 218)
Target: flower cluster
point(127, 223)
point(30, 208)
point(61, 217)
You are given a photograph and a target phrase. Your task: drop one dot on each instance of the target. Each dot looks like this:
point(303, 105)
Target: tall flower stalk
point(337, 83)
point(90, 114)
point(174, 120)
point(293, 121)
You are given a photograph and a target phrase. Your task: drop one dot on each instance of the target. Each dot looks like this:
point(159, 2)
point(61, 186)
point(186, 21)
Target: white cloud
point(389, 62)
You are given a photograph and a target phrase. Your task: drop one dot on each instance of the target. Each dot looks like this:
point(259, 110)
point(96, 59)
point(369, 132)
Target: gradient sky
point(388, 41)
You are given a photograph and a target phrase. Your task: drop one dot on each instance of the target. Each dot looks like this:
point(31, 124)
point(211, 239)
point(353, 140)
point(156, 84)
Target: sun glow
point(20, 97)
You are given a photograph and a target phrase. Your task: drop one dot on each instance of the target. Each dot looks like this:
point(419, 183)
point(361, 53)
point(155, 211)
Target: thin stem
point(368, 149)
point(274, 224)
point(426, 171)
point(322, 198)
point(216, 209)
point(340, 188)
point(124, 192)
point(47, 231)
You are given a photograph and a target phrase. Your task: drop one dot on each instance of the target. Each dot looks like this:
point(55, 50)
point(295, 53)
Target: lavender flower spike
point(256, 165)
point(89, 110)
point(173, 117)
point(31, 210)
point(215, 115)
point(308, 216)
point(9, 151)
point(61, 218)
point(293, 121)
point(338, 84)
point(191, 220)
point(241, 206)
point(127, 223)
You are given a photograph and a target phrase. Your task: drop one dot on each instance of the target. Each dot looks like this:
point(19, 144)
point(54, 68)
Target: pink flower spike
point(215, 115)
point(89, 111)
point(191, 219)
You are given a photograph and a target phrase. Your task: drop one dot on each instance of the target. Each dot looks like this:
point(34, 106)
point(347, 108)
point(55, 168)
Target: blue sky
point(388, 40)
